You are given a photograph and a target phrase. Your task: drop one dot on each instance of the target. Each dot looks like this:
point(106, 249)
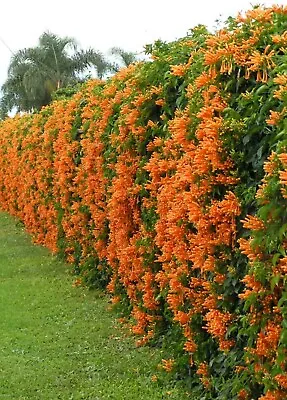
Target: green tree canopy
point(123, 58)
point(35, 73)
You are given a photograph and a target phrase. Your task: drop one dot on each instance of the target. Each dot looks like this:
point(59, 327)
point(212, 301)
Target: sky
point(103, 24)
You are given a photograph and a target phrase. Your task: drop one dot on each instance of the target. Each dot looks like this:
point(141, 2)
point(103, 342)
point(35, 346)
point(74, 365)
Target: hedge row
point(155, 184)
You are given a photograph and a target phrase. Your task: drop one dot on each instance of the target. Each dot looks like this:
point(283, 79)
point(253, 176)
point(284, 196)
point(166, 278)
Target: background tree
point(123, 58)
point(35, 73)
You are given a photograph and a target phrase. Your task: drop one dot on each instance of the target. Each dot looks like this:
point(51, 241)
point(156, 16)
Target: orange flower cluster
point(243, 394)
point(202, 371)
point(264, 293)
point(273, 395)
point(225, 52)
point(181, 203)
point(167, 365)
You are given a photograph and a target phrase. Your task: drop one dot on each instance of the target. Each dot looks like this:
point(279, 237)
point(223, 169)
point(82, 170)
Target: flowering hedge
point(156, 184)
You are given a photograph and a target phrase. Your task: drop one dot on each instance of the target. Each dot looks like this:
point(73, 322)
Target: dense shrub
point(147, 184)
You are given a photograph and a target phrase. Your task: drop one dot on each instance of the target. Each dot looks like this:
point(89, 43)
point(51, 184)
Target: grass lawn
point(60, 342)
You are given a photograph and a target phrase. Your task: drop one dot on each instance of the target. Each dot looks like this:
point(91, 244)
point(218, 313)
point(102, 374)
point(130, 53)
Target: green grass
point(60, 342)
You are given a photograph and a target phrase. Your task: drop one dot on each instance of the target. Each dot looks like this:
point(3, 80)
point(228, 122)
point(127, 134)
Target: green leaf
point(274, 281)
point(282, 299)
point(283, 337)
point(275, 258)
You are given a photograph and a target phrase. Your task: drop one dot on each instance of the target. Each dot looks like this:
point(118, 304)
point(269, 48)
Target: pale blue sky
point(129, 24)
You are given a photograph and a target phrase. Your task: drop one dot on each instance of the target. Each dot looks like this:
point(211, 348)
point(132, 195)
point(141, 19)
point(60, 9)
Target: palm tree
point(125, 58)
point(35, 73)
